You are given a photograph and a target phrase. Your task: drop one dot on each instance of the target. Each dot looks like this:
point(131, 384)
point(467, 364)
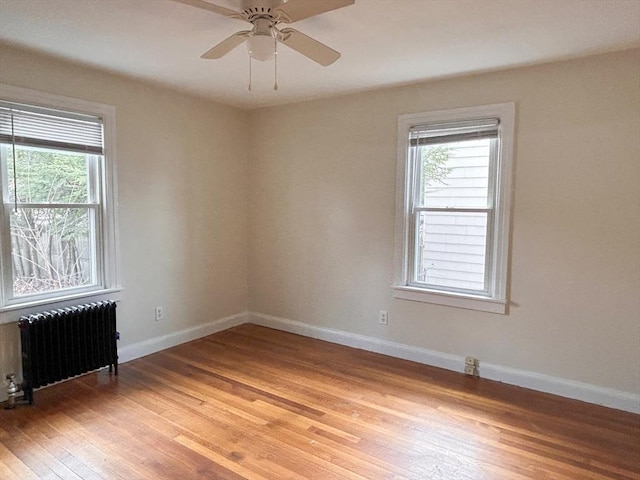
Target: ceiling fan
point(265, 16)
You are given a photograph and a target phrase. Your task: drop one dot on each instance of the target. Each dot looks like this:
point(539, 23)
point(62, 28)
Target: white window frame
point(108, 280)
point(495, 300)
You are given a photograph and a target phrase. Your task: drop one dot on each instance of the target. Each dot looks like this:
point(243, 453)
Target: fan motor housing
point(259, 7)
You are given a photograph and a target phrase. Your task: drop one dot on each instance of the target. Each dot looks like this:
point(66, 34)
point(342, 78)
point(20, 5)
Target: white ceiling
point(383, 42)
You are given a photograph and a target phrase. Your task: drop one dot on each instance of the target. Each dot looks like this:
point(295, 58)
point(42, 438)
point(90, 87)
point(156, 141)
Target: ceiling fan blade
point(227, 45)
point(227, 12)
point(295, 10)
point(307, 46)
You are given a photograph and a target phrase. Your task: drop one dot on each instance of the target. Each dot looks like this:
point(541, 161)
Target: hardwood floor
point(256, 403)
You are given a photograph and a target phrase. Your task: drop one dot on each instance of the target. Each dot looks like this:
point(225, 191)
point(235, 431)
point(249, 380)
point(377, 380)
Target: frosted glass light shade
point(261, 47)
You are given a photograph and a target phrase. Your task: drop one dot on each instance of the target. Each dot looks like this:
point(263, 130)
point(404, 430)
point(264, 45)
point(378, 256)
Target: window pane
point(451, 250)
point(51, 249)
point(47, 176)
point(455, 175)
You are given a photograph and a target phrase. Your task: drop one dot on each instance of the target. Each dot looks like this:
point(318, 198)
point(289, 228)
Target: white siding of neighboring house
point(453, 250)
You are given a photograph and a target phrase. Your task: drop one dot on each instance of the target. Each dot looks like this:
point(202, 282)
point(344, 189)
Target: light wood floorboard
point(255, 403)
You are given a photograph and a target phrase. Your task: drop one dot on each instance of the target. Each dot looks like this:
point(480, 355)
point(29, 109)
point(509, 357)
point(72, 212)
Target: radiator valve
point(12, 390)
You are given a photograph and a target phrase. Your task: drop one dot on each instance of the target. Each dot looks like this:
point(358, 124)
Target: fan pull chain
point(275, 63)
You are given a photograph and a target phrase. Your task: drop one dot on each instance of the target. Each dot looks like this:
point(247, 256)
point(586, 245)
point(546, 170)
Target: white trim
point(371, 344)
point(585, 392)
point(109, 272)
point(12, 93)
point(12, 313)
point(498, 260)
point(450, 299)
point(156, 344)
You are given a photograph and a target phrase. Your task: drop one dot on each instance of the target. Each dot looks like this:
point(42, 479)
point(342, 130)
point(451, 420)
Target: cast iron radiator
point(59, 344)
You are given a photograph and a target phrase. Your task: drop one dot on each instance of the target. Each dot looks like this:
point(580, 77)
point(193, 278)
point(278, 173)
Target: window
point(58, 232)
point(453, 192)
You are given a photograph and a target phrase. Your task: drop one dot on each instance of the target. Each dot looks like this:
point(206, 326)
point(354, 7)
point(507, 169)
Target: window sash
point(58, 205)
point(415, 155)
point(94, 183)
point(94, 246)
point(413, 252)
point(443, 133)
point(36, 127)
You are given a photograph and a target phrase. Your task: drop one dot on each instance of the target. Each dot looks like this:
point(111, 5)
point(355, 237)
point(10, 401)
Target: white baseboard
point(156, 344)
point(544, 383)
point(607, 397)
point(536, 381)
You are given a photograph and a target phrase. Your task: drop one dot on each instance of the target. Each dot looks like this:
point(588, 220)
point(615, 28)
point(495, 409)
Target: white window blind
point(453, 131)
point(47, 128)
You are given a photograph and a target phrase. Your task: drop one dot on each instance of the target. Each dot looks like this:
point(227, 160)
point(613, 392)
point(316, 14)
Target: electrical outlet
point(159, 314)
point(471, 361)
point(471, 365)
point(471, 370)
point(383, 317)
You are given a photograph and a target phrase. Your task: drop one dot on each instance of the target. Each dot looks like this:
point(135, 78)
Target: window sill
point(11, 313)
point(469, 302)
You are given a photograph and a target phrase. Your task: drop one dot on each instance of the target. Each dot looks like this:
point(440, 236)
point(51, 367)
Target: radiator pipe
point(12, 391)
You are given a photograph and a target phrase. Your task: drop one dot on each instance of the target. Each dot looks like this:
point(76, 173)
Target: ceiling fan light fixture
point(261, 47)
point(263, 39)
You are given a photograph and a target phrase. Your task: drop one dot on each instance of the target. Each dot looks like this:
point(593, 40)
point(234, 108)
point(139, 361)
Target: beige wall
point(182, 178)
point(322, 183)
